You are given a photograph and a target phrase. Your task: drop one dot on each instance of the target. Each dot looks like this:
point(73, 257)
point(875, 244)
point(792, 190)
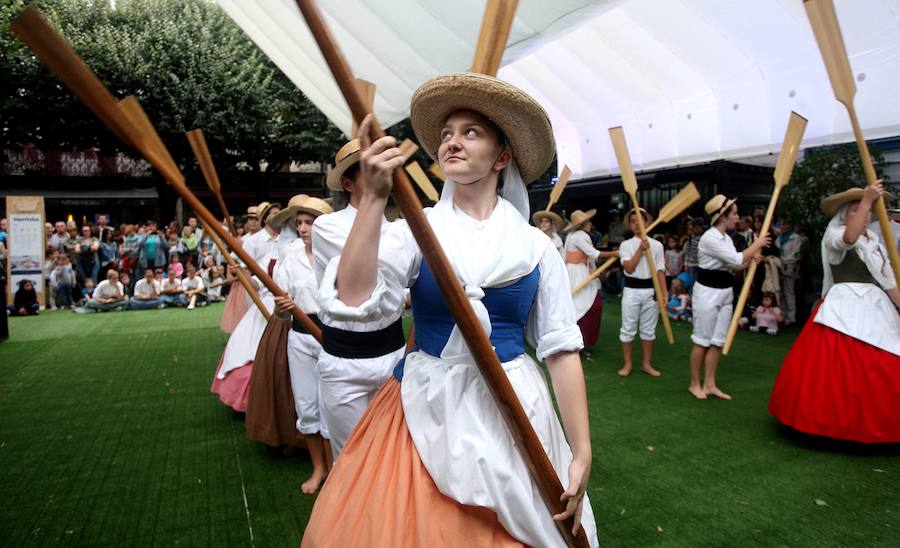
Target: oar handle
point(599, 270)
point(242, 277)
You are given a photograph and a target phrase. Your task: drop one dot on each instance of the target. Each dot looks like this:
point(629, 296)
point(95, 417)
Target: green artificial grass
point(109, 436)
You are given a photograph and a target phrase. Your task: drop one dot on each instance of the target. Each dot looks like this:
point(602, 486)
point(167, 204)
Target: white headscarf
point(512, 190)
point(869, 249)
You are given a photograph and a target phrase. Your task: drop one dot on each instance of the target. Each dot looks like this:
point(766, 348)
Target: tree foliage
point(187, 62)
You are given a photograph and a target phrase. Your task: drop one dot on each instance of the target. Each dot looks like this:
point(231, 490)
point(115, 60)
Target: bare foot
point(697, 392)
point(625, 371)
point(648, 369)
point(311, 486)
point(715, 392)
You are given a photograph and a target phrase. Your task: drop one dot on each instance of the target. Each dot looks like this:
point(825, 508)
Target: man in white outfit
point(789, 244)
point(357, 357)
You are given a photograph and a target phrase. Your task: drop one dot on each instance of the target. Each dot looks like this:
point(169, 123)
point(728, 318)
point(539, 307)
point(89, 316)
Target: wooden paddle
point(823, 20)
point(367, 89)
point(129, 123)
point(520, 428)
point(617, 135)
point(435, 170)
point(495, 27)
point(673, 208)
point(415, 171)
point(204, 159)
point(786, 160)
point(558, 188)
point(241, 275)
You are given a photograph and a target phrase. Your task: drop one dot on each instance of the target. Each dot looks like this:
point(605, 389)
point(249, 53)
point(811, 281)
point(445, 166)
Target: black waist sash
point(717, 279)
point(852, 269)
point(363, 344)
point(638, 283)
point(299, 328)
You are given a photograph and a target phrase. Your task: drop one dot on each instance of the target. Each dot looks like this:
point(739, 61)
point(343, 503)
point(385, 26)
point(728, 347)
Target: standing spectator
point(745, 229)
point(70, 242)
point(64, 278)
point(48, 231)
point(108, 295)
point(147, 293)
point(674, 258)
point(194, 290)
point(131, 249)
point(617, 232)
point(87, 247)
point(52, 256)
point(59, 237)
point(172, 294)
point(175, 264)
point(3, 229)
point(188, 245)
point(25, 301)
point(789, 245)
point(153, 249)
point(692, 249)
point(102, 226)
point(109, 251)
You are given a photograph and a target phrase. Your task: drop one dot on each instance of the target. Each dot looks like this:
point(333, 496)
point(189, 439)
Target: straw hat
point(716, 206)
point(293, 206)
point(521, 119)
point(577, 217)
point(648, 218)
point(315, 206)
point(345, 158)
point(251, 212)
point(554, 218)
point(262, 210)
point(831, 204)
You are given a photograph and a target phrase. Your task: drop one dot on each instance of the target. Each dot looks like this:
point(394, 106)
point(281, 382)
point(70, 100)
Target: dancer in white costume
point(357, 357)
point(296, 275)
point(550, 224)
point(477, 490)
point(640, 312)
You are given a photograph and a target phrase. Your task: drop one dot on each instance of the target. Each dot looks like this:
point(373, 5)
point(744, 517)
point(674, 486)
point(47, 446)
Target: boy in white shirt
point(109, 294)
point(172, 294)
point(147, 293)
point(193, 287)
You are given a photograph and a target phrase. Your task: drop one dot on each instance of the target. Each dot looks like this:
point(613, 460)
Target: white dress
point(579, 240)
point(451, 417)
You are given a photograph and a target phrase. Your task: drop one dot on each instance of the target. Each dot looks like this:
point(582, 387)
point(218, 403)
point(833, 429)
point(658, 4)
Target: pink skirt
point(234, 388)
point(235, 308)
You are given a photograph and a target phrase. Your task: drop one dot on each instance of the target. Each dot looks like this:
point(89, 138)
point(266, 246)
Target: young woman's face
point(546, 225)
point(303, 224)
point(731, 218)
point(470, 148)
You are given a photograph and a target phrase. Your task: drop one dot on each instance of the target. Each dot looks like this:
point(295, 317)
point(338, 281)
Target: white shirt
point(190, 284)
point(581, 241)
point(631, 246)
point(790, 250)
point(296, 275)
point(171, 283)
point(717, 252)
point(260, 245)
point(144, 289)
point(106, 290)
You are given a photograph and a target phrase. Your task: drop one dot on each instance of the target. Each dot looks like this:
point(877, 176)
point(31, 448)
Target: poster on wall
point(25, 243)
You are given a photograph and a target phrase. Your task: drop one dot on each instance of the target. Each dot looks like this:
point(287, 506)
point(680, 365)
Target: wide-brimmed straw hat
point(577, 217)
point(345, 158)
point(289, 212)
point(717, 205)
point(648, 218)
point(521, 119)
point(262, 210)
point(251, 212)
point(832, 204)
point(315, 206)
point(554, 218)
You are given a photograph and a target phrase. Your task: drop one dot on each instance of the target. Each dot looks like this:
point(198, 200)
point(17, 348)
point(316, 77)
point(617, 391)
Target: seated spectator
point(194, 290)
point(172, 294)
point(64, 278)
point(679, 304)
point(767, 315)
point(25, 301)
point(87, 291)
point(109, 294)
point(214, 285)
point(175, 263)
point(126, 283)
point(147, 293)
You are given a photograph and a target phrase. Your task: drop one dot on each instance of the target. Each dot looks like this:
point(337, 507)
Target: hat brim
point(723, 209)
point(334, 176)
point(284, 215)
point(521, 119)
point(832, 204)
point(554, 218)
point(589, 214)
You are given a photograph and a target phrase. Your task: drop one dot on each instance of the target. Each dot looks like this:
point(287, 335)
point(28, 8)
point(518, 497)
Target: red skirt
point(234, 388)
point(590, 322)
point(835, 386)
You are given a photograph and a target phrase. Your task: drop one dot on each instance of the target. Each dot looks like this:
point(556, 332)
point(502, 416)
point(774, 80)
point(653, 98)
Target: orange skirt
point(380, 494)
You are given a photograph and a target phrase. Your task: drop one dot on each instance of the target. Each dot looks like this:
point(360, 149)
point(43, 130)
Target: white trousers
point(712, 314)
point(347, 387)
point(639, 310)
point(788, 299)
point(303, 357)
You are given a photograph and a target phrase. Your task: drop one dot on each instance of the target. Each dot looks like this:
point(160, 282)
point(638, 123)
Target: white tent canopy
point(690, 80)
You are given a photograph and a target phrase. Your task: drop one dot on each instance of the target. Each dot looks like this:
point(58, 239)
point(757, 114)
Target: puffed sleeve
point(398, 266)
point(833, 239)
point(583, 243)
point(552, 326)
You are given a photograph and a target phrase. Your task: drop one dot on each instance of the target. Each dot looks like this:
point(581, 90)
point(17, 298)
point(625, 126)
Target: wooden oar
point(204, 159)
point(435, 170)
point(542, 471)
point(367, 89)
point(495, 27)
point(129, 123)
point(673, 208)
point(617, 135)
point(415, 171)
point(786, 160)
point(558, 188)
point(825, 26)
point(239, 272)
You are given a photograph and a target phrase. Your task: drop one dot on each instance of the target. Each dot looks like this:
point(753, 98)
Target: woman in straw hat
point(432, 462)
point(550, 224)
point(841, 378)
point(357, 357)
point(581, 259)
point(296, 275)
point(713, 293)
point(232, 379)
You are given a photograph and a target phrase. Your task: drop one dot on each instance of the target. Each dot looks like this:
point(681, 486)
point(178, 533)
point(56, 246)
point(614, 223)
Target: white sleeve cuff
point(381, 303)
point(566, 339)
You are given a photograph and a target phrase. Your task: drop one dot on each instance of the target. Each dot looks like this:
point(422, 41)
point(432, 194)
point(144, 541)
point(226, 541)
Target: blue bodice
point(508, 308)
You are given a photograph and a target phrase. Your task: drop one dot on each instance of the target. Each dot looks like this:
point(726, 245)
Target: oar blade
point(620, 147)
point(407, 149)
point(824, 23)
point(422, 181)
point(367, 90)
point(789, 149)
point(560, 185)
point(435, 170)
point(204, 159)
point(681, 201)
point(495, 27)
